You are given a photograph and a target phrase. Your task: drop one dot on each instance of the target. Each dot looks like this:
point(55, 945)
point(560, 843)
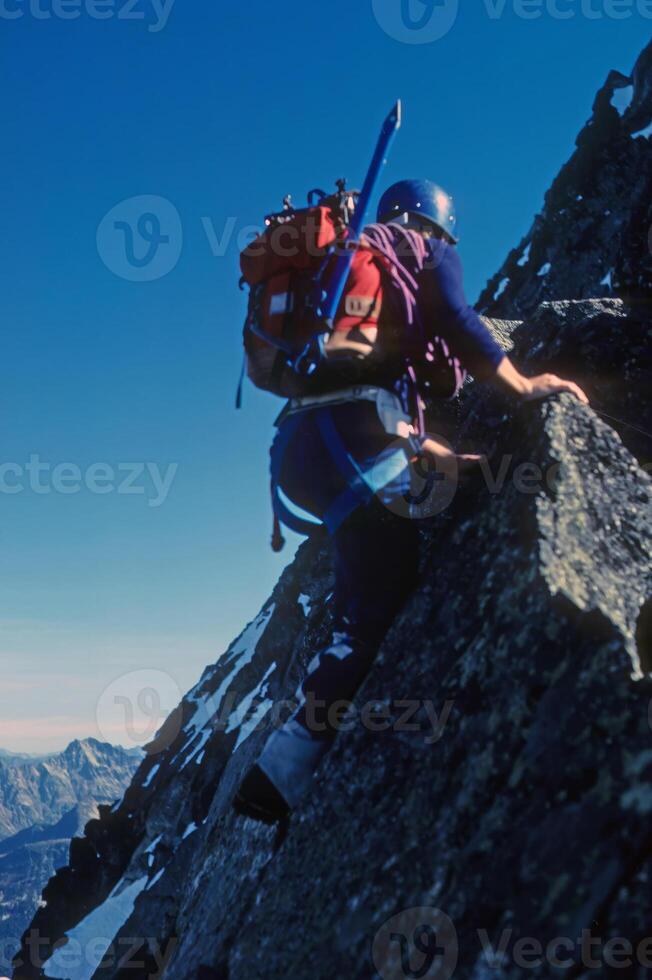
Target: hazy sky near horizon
point(135, 516)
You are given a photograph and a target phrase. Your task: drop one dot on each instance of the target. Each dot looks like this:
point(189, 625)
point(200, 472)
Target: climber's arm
point(457, 323)
point(508, 377)
point(471, 341)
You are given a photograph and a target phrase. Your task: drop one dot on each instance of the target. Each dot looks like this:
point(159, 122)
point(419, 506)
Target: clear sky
point(220, 109)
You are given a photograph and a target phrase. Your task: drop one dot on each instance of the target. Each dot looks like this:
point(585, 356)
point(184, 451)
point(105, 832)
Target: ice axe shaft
point(337, 280)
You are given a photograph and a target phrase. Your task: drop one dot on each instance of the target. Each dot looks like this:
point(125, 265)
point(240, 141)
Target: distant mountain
point(21, 756)
point(44, 802)
point(41, 790)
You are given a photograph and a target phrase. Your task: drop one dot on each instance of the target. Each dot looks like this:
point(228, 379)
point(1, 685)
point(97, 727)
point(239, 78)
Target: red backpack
point(287, 267)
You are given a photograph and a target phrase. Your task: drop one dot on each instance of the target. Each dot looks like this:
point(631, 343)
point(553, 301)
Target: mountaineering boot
point(282, 775)
point(258, 798)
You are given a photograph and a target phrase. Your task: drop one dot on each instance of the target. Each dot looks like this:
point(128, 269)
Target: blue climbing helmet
point(421, 199)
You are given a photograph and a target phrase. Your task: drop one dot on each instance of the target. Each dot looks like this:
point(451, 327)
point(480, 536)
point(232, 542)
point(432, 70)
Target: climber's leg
point(376, 566)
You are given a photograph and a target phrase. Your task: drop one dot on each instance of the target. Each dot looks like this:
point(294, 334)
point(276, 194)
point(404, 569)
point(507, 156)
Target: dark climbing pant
point(376, 555)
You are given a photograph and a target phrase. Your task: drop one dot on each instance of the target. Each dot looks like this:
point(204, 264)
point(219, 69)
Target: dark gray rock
point(593, 237)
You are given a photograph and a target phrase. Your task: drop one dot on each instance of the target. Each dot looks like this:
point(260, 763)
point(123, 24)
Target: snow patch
point(501, 288)
point(149, 851)
point(622, 99)
point(608, 279)
point(88, 942)
point(157, 877)
point(209, 704)
point(237, 717)
point(150, 775)
point(525, 257)
point(253, 722)
point(544, 270)
point(190, 829)
point(304, 602)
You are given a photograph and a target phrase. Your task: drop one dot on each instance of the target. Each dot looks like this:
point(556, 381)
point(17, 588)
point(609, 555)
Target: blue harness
point(361, 484)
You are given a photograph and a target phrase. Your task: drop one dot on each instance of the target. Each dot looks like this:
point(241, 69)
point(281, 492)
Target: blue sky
point(220, 109)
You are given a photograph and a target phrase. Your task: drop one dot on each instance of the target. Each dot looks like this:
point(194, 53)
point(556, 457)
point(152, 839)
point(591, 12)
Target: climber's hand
point(549, 384)
point(529, 389)
point(444, 458)
point(468, 462)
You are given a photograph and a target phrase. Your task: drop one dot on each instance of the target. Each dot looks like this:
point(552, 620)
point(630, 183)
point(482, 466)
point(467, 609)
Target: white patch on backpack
point(281, 303)
point(359, 306)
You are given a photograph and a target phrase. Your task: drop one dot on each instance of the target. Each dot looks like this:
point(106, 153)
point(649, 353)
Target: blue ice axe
point(308, 360)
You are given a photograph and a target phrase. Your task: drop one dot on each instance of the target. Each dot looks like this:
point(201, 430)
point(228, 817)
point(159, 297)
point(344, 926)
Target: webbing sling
point(357, 491)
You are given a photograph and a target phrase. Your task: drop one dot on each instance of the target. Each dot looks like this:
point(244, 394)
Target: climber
point(375, 549)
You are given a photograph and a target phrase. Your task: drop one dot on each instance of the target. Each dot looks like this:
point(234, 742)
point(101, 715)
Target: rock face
point(44, 802)
point(498, 794)
point(594, 235)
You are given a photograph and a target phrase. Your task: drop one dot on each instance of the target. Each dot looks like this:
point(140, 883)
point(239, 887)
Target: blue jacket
point(442, 300)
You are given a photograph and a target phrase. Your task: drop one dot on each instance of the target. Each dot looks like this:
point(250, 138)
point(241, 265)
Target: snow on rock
point(608, 279)
point(253, 722)
point(152, 847)
point(150, 775)
point(622, 99)
point(304, 602)
point(190, 829)
point(149, 851)
point(87, 942)
point(157, 877)
point(239, 719)
point(208, 705)
point(544, 270)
